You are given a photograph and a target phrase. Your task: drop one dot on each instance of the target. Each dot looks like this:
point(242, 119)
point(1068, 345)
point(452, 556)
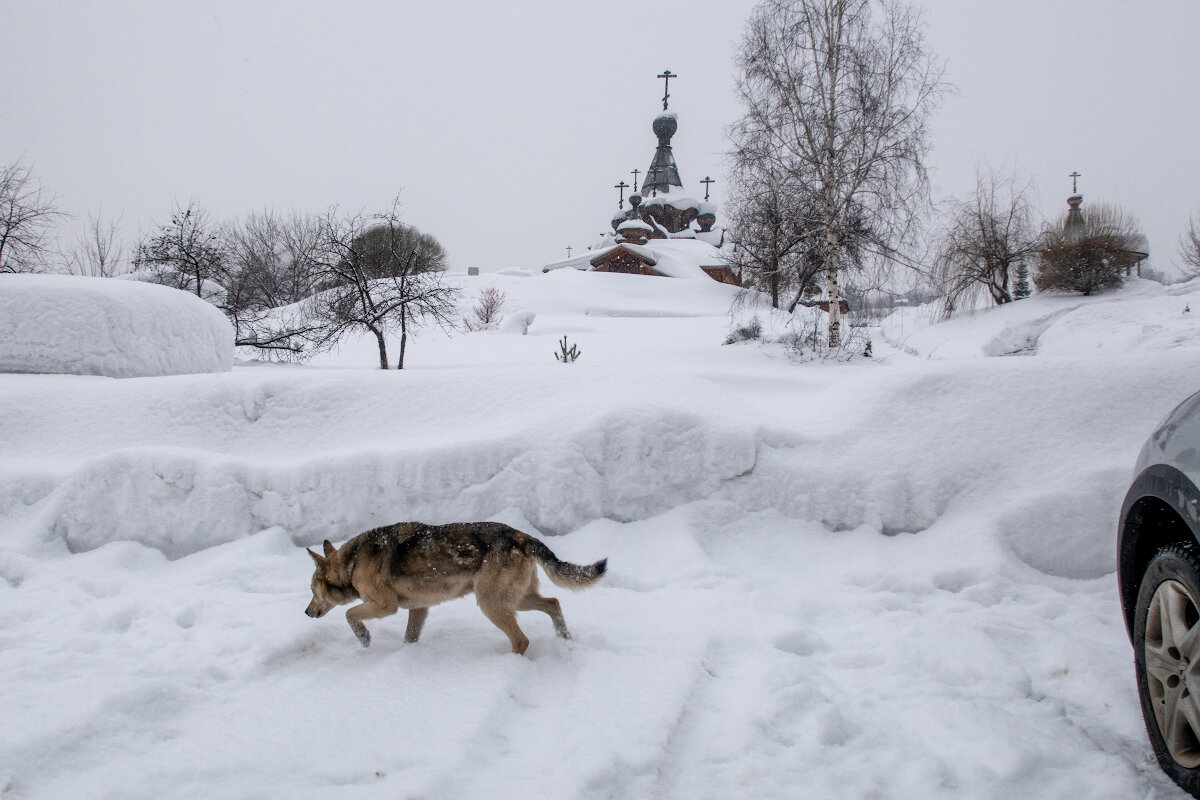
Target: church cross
point(622, 186)
point(707, 180)
point(636, 172)
point(1074, 176)
point(568, 251)
point(666, 76)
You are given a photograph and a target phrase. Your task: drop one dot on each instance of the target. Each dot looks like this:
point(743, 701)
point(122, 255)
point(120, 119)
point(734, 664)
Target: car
point(1158, 572)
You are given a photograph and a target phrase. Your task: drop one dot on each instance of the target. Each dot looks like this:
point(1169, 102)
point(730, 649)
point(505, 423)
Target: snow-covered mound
point(99, 326)
point(890, 578)
point(1142, 316)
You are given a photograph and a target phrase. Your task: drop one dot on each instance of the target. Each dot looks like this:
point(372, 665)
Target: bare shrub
point(486, 313)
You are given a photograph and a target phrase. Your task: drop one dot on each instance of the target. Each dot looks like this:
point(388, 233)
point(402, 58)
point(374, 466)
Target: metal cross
point(622, 186)
point(666, 76)
point(568, 251)
point(707, 180)
point(636, 172)
point(1074, 176)
point(652, 179)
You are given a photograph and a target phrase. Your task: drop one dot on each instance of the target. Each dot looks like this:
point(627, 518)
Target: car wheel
point(1166, 642)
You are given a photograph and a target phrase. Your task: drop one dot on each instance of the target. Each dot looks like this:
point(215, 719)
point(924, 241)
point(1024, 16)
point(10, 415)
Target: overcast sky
point(503, 126)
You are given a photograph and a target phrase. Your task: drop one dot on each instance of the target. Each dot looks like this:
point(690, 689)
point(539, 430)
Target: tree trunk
point(831, 285)
point(774, 268)
point(403, 336)
point(383, 361)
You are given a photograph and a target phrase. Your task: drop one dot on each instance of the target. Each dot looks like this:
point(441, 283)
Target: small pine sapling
point(567, 355)
point(1022, 290)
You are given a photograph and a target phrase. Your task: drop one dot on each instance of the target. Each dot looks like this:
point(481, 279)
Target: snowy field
point(891, 578)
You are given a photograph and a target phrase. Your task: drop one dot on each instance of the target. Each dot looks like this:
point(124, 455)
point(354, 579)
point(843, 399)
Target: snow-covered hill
point(890, 578)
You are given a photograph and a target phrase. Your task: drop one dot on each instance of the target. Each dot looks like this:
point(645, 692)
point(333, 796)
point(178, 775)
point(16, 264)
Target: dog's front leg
point(416, 621)
point(366, 610)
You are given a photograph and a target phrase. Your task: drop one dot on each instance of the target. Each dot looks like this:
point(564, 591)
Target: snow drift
point(99, 326)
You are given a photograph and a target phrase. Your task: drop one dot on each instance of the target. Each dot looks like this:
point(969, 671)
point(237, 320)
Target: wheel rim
point(1172, 649)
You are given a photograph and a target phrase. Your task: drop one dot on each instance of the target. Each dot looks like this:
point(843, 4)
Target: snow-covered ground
point(891, 578)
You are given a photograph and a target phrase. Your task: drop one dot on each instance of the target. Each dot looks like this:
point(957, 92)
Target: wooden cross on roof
point(622, 186)
point(568, 251)
point(666, 76)
point(707, 180)
point(1075, 176)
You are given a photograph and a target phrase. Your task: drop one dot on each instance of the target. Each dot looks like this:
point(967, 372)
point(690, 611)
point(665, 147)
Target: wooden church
point(665, 232)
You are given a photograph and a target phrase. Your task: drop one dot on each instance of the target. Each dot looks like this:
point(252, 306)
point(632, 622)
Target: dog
point(412, 565)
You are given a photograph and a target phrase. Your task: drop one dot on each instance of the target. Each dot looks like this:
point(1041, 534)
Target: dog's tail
point(564, 573)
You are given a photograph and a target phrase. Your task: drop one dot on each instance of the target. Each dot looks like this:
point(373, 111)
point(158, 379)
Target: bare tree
point(187, 252)
point(840, 92)
point(1189, 249)
point(271, 258)
point(27, 214)
point(97, 251)
point(987, 238)
point(378, 274)
point(762, 226)
point(1091, 254)
point(268, 274)
point(486, 313)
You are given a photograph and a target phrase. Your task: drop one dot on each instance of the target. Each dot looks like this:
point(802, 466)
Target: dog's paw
point(364, 635)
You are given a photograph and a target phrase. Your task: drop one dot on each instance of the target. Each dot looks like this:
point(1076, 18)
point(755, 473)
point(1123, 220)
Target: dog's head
point(326, 595)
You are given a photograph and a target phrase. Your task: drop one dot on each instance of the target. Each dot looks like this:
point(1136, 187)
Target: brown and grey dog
point(412, 565)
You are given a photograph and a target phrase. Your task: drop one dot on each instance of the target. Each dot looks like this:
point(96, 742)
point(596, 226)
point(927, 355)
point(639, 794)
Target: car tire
point(1166, 644)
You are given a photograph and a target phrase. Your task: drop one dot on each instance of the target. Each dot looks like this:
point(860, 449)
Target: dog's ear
point(329, 549)
point(319, 561)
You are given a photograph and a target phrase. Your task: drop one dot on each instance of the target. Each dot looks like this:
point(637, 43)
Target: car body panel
point(1165, 477)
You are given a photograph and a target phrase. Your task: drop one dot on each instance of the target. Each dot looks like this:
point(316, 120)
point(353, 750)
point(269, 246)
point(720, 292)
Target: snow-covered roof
point(641, 251)
point(581, 261)
point(683, 258)
point(680, 256)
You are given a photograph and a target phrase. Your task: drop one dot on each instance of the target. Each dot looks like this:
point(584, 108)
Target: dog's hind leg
point(532, 601)
point(366, 610)
point(416, 621)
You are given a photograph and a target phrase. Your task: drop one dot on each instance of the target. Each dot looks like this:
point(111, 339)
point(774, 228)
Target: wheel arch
point(1162, 507)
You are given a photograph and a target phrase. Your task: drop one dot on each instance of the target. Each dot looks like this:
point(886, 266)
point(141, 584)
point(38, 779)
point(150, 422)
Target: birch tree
point(840, 92)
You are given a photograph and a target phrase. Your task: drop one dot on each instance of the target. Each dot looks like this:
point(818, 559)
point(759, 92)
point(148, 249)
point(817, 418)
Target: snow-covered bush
point(744, 332)
point(99, 326)
point(804, 334)
point(808, 338)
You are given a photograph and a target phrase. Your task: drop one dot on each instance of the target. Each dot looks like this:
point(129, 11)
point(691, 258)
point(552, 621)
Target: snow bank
point(328, 458)
point(1142, 316)
point(100, 326)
